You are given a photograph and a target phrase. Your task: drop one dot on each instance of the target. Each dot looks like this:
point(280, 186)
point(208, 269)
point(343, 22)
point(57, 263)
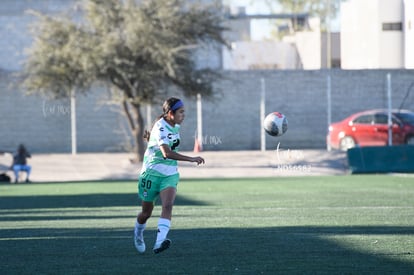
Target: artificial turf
point(287, 225)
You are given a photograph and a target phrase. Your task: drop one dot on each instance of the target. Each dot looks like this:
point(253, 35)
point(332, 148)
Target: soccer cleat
point(139, 244)
point(163, 246)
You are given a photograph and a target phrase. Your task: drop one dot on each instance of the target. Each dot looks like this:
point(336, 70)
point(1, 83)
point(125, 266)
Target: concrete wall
point(15, 27)
point(44, 125)
point(230, 122)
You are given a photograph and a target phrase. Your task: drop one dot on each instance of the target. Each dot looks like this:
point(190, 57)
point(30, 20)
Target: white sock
point(139, 229)
point(163, 228)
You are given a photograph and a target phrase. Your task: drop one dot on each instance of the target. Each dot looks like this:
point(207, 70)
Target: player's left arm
point(170, 154)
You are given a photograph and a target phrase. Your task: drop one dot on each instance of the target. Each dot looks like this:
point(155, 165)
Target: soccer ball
point(275, 124)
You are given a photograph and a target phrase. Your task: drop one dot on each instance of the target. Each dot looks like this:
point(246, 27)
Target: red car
point(370, 128)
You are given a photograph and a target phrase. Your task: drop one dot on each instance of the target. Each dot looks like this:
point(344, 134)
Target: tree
point(57, 64)
point(140, 48)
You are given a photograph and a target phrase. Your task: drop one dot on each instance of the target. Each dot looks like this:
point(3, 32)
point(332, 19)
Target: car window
point(407, 118)
point(381, 119)
point(364, 119)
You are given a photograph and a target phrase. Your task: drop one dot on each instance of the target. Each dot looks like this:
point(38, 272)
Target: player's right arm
point(170, 154)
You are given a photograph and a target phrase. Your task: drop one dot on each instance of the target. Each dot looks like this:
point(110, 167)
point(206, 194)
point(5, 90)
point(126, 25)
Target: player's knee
point(144, 215)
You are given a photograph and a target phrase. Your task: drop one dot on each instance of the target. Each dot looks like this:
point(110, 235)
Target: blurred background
point(316, 62)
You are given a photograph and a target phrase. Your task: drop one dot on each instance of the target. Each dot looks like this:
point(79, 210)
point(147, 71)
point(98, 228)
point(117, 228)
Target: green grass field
point(293, 225)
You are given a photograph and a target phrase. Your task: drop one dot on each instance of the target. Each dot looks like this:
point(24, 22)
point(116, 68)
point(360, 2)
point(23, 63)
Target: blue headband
point(177, 105)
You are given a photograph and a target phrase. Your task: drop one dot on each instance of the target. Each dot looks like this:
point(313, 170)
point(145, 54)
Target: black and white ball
point(275, 124)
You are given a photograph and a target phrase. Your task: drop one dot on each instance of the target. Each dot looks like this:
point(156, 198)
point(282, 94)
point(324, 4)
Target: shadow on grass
point(81, 201)
point(273, 250)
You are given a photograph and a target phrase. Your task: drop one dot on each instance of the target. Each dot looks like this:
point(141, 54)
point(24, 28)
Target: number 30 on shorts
point(145, 183)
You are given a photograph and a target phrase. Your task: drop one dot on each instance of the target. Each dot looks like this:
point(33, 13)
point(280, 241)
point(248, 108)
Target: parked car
point(370, 128)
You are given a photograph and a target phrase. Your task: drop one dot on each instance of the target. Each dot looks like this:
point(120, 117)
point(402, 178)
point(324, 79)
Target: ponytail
point(171, 104)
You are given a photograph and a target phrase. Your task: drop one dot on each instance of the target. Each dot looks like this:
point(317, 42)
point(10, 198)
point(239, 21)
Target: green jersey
point(154, 161)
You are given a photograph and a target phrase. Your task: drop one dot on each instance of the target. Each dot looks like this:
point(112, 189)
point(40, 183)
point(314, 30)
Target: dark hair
point(169, 105)
point(21, 149)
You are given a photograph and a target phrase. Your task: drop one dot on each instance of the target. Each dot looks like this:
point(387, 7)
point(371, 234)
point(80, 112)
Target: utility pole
point(328, 35)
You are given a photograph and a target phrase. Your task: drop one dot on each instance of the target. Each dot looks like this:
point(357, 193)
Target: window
point(392, 26)
point(364, 119)
point(381, 119)
point(407, 118)
point(335, 63)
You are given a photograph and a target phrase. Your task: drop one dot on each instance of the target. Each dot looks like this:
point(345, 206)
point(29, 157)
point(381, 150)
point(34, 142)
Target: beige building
point(305, 49)
point(377, 34)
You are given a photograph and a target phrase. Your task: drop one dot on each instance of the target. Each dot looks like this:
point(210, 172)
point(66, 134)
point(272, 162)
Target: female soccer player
point(159, 175)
